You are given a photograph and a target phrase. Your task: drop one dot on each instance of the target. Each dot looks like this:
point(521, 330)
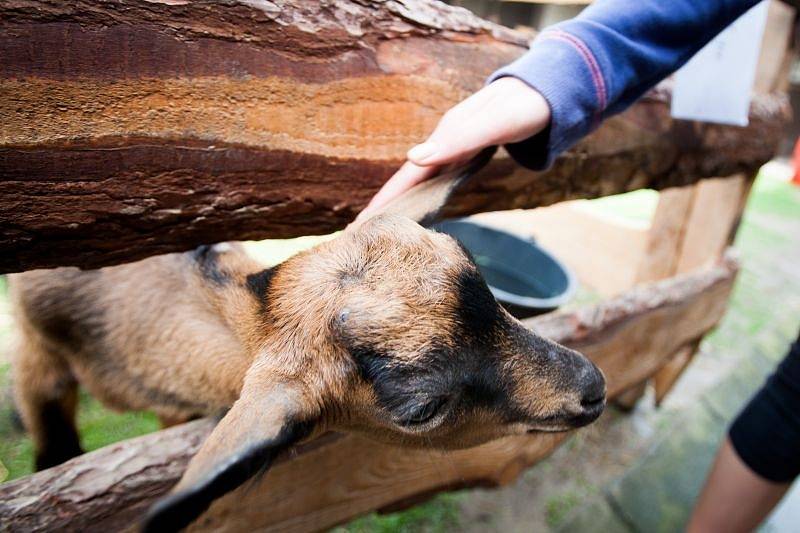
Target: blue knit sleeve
point(600, 62)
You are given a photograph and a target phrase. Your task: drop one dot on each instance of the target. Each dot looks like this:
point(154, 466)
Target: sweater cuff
point(564, 70)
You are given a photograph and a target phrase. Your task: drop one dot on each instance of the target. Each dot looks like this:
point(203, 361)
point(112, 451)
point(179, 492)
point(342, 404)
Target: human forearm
point(600, 62)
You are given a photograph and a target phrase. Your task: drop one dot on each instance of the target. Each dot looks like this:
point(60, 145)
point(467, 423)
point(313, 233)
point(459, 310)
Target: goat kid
point(388, 330)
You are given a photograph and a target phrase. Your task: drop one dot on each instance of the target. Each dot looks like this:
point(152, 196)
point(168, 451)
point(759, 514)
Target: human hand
point(505, 111)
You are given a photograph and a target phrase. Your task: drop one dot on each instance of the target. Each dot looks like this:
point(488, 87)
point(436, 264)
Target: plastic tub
point(525, 279)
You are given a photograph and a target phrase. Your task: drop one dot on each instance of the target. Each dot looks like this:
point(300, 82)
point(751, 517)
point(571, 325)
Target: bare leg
point(734, 498)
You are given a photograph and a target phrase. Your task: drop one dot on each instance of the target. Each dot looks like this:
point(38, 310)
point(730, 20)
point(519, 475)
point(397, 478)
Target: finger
point(405, 178)
point(466, 129)
point(441, 145)
point(507, 111)
point(457, 139)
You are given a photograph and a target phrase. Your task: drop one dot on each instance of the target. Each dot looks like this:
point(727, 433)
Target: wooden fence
point(137, 127)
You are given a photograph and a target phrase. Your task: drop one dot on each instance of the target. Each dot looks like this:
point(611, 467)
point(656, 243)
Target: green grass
point(97, 425)
point(439, 515)
point(774, 196)
point(558, 507)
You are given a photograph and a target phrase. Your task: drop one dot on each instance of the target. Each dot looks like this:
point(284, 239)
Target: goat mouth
point(590, 411)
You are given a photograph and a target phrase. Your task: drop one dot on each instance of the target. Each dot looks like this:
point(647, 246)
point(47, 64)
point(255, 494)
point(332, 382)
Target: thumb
point(455, 140)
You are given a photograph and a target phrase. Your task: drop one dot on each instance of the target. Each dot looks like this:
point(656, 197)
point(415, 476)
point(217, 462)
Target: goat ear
point(262, 423)
point(423, 202)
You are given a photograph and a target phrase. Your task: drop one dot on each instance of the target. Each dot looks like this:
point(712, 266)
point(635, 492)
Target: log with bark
point(137, 127)
point(337, 477)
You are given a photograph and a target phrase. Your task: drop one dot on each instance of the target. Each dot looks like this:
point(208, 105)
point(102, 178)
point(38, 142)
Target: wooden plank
point(747, 186)
point(691, 228)
point(629, 351)
point(660, 257)
point(665, 236)
point(708, 228)
point(716, 206)
point(330, 481)
point(133, 127)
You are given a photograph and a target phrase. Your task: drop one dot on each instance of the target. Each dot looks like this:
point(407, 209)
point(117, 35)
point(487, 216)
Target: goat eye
point(419, 414)
point(344, 315)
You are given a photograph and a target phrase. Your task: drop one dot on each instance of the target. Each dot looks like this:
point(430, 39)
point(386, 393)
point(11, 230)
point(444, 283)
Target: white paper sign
point(716, 84)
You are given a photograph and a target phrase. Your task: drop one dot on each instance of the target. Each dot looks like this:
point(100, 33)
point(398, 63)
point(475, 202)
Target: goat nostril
point(593, 400)
point(594, 392)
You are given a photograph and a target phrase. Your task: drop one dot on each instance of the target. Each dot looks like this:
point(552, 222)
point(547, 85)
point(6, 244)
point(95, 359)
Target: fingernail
point(423, 151)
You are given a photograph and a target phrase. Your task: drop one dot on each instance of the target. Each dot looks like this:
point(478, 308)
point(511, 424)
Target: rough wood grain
point(659, 260)
point(337, 477)
point(715, 208)
point(630, 336)
point(666, 234)
point(690, 229)
point(113, 485)
point(135, 127)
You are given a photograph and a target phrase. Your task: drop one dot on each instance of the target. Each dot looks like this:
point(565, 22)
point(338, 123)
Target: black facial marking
point(60, 437)
point(403, 389)
point(487, 388)
point(207, 258)
point(465, 251)
point(467, 372)
point(470, 375)
point(259, 284)
point(484, 387)
point(373, 365)
point(478, 311)
point(177, 511)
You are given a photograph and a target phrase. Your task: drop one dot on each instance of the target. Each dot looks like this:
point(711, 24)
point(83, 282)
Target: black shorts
point(766, 434)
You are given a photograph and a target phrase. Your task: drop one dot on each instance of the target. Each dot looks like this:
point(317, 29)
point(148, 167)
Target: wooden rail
point(136, 127)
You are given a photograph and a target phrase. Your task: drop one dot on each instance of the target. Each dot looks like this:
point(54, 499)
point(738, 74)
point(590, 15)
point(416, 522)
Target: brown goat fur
point(388, 330)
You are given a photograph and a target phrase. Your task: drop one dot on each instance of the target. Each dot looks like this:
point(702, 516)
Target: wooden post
point(690, 229)
point(714, 208)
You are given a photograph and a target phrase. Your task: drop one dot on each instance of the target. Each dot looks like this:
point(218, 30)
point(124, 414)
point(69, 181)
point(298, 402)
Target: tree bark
point(138, 127)
point(337, 477)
